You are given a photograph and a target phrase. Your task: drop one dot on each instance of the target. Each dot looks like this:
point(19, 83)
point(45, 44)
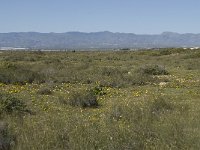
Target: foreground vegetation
point(148, 99)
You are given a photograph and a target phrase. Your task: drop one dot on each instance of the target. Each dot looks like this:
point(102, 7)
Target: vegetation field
point(111, 100)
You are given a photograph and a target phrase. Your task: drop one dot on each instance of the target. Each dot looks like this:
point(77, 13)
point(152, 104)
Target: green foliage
point(153, 70)
point(16, 74)
point(83, 99)
point(10, 104)
point(165, 52)
point(98, 90)
point(6, 139)
point(160, 106)
point(194, 55)
point(142, 79)
point(171, 51)
point(44, 91)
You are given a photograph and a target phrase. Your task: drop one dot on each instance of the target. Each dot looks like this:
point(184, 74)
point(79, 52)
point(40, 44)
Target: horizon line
point(164, 32)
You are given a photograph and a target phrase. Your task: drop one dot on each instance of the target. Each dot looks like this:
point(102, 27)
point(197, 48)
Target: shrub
point(153, 70)
point(124, 79)
point(83, 99)
point(111, 71)
point(165, 52)
point(44, 91)
point(5, 137)
point(14, 74)
point(98, 90)
point(118, 111)
point(160, 106)
point(140, 79)
point(194, 55)
point(10, 104)
point(169, 51)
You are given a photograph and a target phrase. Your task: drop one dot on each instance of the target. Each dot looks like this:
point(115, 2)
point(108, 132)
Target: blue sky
point(130, 16)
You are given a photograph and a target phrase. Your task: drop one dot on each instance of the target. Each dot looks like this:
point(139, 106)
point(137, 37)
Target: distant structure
point(192, 48)
point(12, 48)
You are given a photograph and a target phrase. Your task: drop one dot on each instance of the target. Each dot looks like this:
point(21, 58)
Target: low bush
point(169, 51)
point(15, 74)
point(141, 79)
point(153, 70)
point(165, 52)
point(44, 91)
point(10, 104)
point(83, 99)
point(160, 106)
point(111, 71)
point(194, 55)
point(98, 90)
point(6, 139)
point(116, 77)
point(119, 112)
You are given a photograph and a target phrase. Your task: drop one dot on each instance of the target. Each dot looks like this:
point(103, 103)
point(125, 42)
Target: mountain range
point(97, 40)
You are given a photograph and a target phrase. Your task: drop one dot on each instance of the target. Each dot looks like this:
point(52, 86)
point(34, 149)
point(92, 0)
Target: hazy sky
point(133, 16)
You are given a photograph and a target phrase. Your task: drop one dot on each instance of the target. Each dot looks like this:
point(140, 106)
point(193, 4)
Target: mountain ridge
point(97, 40)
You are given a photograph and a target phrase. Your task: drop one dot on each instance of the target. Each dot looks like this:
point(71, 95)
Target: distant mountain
point(80, 40)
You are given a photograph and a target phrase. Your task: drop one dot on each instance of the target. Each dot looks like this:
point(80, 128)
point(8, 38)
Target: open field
point(148, 99)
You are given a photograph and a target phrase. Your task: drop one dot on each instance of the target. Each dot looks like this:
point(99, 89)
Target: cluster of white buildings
point(192, 48)
point(12, 48)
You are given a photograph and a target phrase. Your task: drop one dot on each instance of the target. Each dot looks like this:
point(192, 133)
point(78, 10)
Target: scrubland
point(147, 99)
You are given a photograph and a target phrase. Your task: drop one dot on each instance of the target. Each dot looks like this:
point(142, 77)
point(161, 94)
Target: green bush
point(112, 71)
point(141, 79)
point(165, 52)
point(6, 139)
point(44, 91)
point(16, 74)
point(83, 99)
point(116, 77)
point(119, 112)
point(98, 90)
point(160, 106)
point(153, 70)
point(169, 51)
point(10, 104)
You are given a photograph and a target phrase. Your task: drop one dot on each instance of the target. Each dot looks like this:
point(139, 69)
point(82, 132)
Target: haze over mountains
point(97, 40)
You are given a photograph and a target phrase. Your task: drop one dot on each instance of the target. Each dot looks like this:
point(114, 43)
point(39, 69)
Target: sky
point(128, 16)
